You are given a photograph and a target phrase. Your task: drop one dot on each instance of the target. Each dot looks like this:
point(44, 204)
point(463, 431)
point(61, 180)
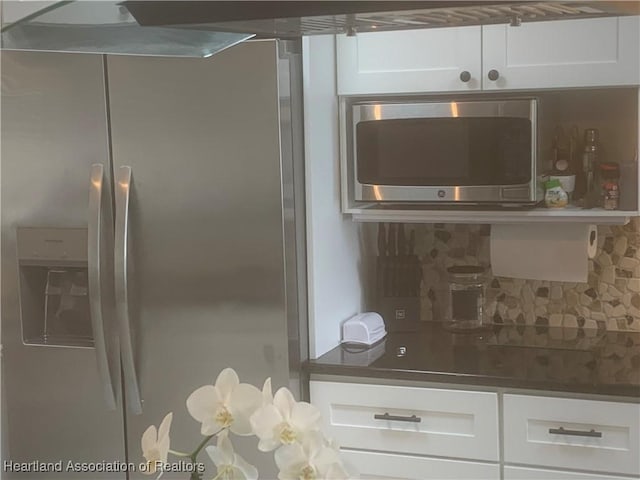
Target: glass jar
point(466, 297)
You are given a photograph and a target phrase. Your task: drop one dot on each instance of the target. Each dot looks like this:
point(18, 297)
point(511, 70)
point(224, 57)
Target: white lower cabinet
point(423, 421)
point(391, 432)
point(573, 434)
point(387, 466)
point(414, 433)
point(523, 473)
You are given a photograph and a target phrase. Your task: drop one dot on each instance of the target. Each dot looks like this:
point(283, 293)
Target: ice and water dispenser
point(54, 296)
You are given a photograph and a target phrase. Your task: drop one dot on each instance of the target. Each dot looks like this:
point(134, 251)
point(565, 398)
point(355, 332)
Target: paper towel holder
point(562, 256)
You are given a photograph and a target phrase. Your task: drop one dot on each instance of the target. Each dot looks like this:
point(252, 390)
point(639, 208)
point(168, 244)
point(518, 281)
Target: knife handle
point(382, 240)
point(386, 276)
point(392, 258)
point(391, 241)
point(402, 240)
point(382, 273)
point(412, 241)
point(380, 279)
point(417, 269)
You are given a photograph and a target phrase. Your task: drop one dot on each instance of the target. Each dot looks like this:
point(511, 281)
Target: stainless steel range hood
point(202, 28)
point(102, 27)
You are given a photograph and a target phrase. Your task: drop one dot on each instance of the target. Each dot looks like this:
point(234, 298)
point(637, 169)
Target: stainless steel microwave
point(440, 152)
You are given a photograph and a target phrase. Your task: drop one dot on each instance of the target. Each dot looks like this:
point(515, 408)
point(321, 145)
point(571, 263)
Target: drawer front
point(521, 473)
point(387, 466)
point(425, 421)
point(569, 433)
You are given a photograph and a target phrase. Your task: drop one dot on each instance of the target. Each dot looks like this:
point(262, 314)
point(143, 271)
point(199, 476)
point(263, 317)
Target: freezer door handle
point(123, 190)
point(99, 215)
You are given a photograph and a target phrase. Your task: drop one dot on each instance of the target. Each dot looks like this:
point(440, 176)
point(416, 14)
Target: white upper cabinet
point(555, 54)
point(410, 61)
point(558, 54)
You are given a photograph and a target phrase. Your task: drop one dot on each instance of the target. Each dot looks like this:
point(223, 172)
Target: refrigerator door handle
point(94, 273)
point(123, 189)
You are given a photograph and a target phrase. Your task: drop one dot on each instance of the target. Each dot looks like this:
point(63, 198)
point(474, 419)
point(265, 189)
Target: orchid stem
point(202, 445)
point(179, 454)
point(195, 475)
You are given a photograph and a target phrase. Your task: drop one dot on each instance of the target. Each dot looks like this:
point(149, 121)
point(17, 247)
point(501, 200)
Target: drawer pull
point(397, 418)
point(577, 433)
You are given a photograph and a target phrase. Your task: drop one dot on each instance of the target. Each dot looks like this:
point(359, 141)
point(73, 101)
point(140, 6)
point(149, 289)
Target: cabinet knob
point(465, 76)
point(493, 75)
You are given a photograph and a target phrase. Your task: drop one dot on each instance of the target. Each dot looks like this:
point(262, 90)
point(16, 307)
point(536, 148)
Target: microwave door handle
point(94, 274)
point(123, 190)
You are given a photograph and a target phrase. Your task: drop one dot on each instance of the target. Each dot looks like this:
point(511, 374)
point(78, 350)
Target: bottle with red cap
point(609, 177)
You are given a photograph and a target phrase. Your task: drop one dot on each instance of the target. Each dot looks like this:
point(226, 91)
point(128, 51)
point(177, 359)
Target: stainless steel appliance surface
point(182, 177)
point(443, 152)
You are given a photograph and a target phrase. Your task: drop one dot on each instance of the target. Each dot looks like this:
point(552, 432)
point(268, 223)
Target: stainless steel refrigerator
point(152, 235)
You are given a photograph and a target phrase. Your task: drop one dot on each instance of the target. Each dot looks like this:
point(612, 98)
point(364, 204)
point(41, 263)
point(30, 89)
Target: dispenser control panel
point(62, 246)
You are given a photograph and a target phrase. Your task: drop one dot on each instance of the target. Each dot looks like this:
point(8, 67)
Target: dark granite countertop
point(525, 357)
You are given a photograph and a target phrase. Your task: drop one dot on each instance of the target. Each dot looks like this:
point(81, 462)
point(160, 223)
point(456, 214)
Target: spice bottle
point(609, 176)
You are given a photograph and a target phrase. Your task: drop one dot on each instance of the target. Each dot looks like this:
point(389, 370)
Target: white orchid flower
point(311, 459)
point(227, 404)
point(155, 444)
point(267, 392)
point(230, 465)
point(284, 421)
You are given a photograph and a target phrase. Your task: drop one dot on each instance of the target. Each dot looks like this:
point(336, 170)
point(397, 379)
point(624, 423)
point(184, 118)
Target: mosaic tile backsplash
point(609, 300)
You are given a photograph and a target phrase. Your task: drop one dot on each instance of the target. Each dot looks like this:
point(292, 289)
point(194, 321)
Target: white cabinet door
point(520, 473)
point(409, 61)
point(558, 54)
point(410, 420)
point(572, 433)
point(385, 466)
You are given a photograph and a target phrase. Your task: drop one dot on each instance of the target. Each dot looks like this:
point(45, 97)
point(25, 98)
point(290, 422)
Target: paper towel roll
point(557, 252)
